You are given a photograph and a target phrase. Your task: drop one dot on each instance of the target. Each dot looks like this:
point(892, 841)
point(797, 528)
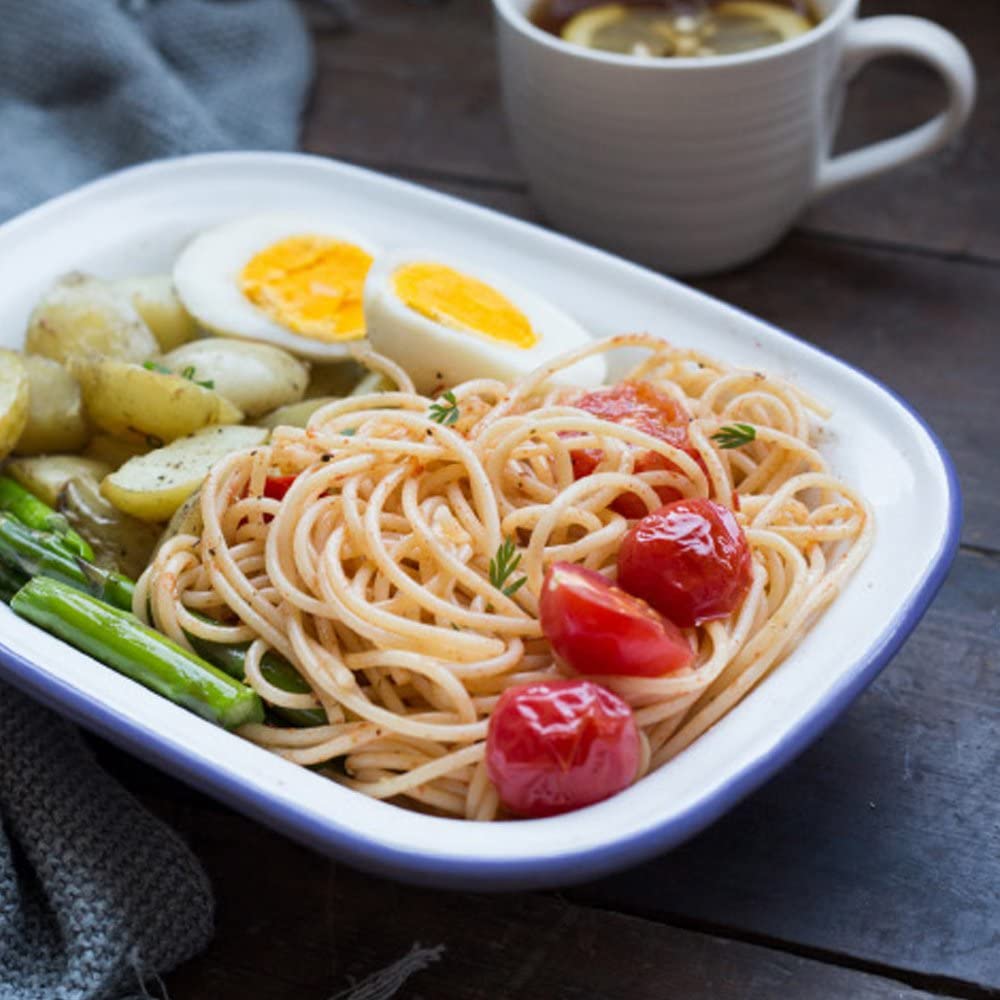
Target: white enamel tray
point(136, 222)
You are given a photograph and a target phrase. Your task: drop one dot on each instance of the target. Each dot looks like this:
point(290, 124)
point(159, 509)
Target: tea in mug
point(675, 28)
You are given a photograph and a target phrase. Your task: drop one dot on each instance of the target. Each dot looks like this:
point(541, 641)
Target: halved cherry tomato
point(690, 560)
point(277, 486)
point(560, 745)
point(595, 627)
point(644, 407)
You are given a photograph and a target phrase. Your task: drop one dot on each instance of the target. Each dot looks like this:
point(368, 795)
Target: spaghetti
point(372, 574)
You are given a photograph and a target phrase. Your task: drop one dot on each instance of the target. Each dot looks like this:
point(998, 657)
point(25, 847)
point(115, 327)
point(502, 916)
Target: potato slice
point(157, 302)
point(136, 403)
point(255, 377)
point(82, 317)
point(55, 410)
point(295, 414)
point(46, 475)
point(13, 400)
point(153, 486)
point(120, 542)
point(114, 450)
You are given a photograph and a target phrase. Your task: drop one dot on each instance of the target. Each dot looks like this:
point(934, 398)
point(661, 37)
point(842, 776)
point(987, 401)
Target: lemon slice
point(614, 27)
point(739, 26)
point(722, 29)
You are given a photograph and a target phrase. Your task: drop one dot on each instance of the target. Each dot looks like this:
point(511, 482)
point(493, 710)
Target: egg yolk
point(454, 299)
point(310, 284)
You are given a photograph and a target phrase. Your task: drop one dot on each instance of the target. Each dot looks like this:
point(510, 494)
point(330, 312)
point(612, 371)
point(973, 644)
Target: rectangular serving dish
point(136, 221)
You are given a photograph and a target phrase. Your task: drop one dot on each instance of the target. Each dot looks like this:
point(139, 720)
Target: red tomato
point(555, 746)
point(646, 408)
point(594, 627)
point(277, 486)
point(690, 560)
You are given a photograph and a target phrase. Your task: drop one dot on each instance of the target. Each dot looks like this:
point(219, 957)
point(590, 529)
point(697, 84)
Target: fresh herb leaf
point(502, 565)
point(734, 435)
point(188, 373)
point(446, 413)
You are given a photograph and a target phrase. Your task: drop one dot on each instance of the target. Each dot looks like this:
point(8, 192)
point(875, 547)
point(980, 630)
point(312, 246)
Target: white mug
point(699, 164)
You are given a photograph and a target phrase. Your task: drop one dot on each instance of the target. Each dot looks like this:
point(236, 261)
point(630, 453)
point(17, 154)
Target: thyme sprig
point(734, 435)
point(446, 413)
point(502, 565)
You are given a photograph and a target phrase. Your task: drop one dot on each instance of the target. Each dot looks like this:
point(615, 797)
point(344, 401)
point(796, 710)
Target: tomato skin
point(690, 560)
point(646, 408)
point(595, 627)
point(555, 746)
point(276, 487)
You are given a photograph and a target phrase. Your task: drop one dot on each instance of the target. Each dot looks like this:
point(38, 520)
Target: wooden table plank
point(292, 925)
point(951, 201)
point(415, 86)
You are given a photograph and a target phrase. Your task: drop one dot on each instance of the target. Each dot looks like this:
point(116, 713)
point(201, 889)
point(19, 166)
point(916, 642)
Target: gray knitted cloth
point(95, 894)
point(87, 86)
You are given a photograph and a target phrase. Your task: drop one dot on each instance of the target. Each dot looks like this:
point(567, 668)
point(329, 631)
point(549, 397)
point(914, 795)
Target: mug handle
point(873, 37)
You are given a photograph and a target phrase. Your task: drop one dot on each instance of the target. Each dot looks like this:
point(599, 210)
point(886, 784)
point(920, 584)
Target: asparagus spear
point(10, 583)
point(27, 553)
point(276, 670)
point(123, 643)
point(31, 512)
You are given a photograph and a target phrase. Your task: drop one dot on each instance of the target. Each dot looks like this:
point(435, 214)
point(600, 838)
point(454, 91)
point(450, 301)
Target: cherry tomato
point(277, 486)
point(595, 627)
point(690, 560)
point(646, 408)
point(560, 745)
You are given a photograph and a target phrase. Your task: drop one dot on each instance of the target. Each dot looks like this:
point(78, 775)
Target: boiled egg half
point(446, 322)
point(288, 280)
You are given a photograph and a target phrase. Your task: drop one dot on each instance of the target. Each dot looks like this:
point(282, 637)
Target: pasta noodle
point(372, 574)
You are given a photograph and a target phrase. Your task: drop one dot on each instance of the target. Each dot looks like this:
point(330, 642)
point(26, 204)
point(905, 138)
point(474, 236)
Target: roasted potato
point(153, 486)
point(119, 542)
point(255, 377)
point(335, 378)
point(114, 450)
point(55, 410)
point(81, 318)
point(160, 307)
point(14, 403)
point(136, 403)
point(46, 475)
point(295, 414)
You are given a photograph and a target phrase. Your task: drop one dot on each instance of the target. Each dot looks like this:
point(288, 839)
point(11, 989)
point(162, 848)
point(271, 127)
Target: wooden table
point(871, 867)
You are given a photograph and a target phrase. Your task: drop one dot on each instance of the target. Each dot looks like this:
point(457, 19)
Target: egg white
point(435, 354)
point(207, 279)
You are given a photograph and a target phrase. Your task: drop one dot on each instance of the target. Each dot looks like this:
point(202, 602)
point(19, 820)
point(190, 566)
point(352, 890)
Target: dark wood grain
point(949, 202)
point(415, 86)
point(303, 927)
